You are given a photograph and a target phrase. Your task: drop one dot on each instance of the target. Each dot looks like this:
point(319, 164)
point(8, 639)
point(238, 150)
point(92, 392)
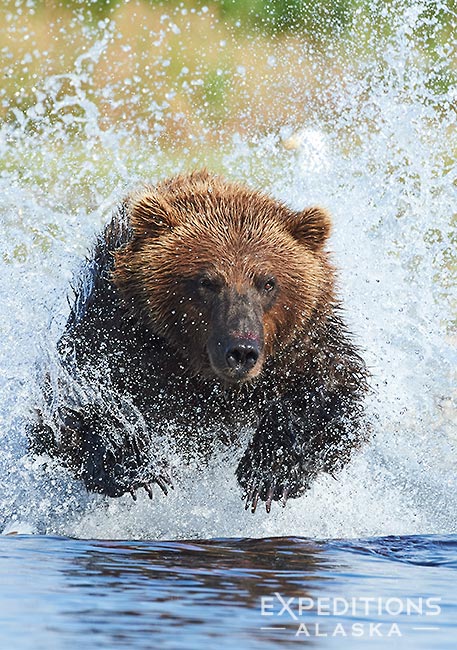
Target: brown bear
point(206, 307)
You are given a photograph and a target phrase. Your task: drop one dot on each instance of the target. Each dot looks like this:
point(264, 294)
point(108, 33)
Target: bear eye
point(208, 283)
point(269, 285)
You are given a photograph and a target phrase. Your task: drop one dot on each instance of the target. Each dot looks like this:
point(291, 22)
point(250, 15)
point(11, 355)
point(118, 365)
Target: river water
point(378, 546)
point(284, 592)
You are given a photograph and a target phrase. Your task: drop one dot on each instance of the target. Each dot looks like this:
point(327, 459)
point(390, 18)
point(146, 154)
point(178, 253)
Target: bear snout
point(235, 344)
point(235, 359)
point(242, 355)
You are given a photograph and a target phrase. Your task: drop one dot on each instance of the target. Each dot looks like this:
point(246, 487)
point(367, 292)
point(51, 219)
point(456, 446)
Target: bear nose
point(242, 356)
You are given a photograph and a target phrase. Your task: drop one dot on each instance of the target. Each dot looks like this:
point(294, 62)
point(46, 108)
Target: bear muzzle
point(236, 359)
point(242, 356)
point(235, 344)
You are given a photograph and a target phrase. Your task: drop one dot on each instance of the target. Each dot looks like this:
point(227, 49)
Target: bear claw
point(274, 493)
point(164, 482)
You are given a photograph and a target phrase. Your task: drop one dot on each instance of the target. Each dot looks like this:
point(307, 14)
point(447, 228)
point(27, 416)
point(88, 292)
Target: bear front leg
point(115, 470)
point(111, 455)
point(294, 443)
point(271, 467)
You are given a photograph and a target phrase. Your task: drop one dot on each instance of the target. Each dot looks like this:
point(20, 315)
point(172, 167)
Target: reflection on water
point(390, 592)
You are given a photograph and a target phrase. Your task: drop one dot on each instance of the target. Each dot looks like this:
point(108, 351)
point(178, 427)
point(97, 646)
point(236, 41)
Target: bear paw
point(113, 477)
point(269, 475)
point(142, 478)
point(163, 481)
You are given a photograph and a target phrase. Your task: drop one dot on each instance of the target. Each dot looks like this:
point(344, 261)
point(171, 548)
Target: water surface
point(396, 592)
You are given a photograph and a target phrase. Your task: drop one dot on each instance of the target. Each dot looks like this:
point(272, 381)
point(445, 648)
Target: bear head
point(227, 275)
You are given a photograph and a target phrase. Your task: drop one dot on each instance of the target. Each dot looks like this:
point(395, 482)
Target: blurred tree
point(315, 18)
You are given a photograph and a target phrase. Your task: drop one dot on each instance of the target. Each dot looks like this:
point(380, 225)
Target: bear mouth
point(232, 377)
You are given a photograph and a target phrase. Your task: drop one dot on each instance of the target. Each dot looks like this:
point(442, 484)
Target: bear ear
point(311, 227)
point(151, 213)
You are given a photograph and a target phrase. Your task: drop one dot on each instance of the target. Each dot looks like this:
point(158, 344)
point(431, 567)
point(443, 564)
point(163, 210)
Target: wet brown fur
point(201, 222)
point(134, 354)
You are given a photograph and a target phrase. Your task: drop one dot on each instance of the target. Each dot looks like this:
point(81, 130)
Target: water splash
point(376, 150)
